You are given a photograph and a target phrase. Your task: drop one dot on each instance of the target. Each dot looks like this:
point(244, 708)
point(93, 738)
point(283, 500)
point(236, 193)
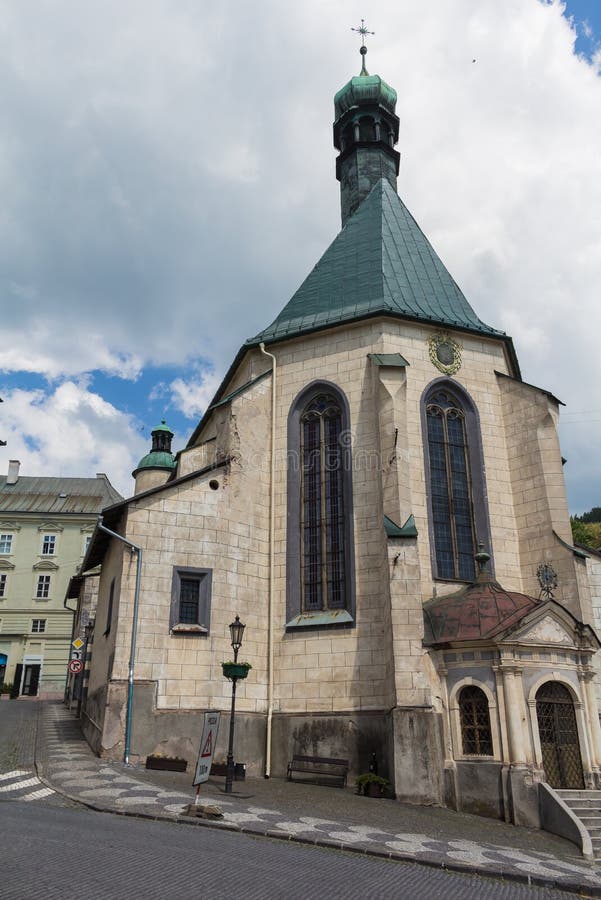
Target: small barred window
point(190, 601)
point(475, 722)
point(189, 597)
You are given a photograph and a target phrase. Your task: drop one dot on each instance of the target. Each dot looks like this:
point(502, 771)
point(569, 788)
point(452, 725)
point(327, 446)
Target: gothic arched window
point(322, 513)
point(319, 556)
point(455, 482)
point(476, 732)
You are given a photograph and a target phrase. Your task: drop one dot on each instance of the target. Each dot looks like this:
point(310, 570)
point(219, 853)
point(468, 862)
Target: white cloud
point(192, 396)
point(70, 431)
point(162, 202)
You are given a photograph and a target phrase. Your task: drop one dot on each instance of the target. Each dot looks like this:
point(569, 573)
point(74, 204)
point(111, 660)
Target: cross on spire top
point(362, 30)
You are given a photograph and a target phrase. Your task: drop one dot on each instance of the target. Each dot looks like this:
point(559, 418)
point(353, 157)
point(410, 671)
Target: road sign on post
point(207, 747)
point(75, 666)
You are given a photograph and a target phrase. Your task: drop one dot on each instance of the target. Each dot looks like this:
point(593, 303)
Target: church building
point(379, 496)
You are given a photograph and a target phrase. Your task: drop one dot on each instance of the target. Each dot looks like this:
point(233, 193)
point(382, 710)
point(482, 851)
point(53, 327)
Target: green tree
point(593, 515)
point(587, 533)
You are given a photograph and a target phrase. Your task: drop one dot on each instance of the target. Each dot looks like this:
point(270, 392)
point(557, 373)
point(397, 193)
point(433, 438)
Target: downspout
point(68, 675)
point(271, 571)
point(134, 627)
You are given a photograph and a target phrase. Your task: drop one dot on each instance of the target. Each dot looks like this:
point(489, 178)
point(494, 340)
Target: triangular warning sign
point(207, 750)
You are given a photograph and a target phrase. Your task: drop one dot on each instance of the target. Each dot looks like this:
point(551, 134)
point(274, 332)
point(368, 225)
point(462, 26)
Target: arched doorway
point(559, 736)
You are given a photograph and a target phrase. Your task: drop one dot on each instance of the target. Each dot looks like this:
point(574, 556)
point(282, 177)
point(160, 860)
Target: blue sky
point(586, 15)
point(167, 182)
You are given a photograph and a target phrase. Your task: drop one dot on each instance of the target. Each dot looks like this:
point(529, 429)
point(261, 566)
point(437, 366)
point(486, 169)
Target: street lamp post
point(236, 632)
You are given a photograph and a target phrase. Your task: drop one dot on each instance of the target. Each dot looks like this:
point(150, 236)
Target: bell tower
point(366, 130)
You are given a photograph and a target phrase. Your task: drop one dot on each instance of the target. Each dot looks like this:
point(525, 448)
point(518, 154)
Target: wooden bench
point(319, 765)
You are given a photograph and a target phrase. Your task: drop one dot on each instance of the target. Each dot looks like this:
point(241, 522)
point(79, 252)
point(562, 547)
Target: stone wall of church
point(480, 358)
point(372, 683)
point(336, 670)
point(216, 521)
point(538, 489)
point(593, 572)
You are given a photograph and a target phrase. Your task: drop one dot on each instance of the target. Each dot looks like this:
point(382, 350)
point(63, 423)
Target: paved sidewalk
point(326, 816)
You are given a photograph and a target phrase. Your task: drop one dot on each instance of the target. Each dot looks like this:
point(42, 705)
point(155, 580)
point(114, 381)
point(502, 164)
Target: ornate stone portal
point(528, 662)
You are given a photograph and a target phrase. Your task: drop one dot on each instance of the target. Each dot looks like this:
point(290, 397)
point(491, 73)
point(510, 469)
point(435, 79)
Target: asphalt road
point(50, 851)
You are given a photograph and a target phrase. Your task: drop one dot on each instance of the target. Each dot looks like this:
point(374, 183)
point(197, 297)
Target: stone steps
point(586, 805)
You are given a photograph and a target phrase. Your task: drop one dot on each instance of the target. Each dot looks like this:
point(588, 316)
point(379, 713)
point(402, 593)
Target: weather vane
point(362, 30)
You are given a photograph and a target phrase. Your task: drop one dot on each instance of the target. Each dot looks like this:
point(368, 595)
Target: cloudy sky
point(167, 181)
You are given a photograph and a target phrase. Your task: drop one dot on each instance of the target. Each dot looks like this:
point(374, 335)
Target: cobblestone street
point(46, 761)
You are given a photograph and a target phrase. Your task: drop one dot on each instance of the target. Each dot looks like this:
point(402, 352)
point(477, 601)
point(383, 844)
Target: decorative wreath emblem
point(445, 353)
point(547, 578)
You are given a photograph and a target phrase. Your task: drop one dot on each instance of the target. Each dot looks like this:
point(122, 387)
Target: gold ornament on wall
point(445, 353)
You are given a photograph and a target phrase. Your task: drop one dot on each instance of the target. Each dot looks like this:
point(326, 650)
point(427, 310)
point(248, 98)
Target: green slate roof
point(381, 263)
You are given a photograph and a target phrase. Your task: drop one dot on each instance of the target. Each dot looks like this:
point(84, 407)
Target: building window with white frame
point(6, 544)
point(3, 581)
point(38, 626)
point(42, 591)
point(49, 545)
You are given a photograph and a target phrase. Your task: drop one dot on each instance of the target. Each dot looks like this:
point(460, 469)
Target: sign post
point(207, 749)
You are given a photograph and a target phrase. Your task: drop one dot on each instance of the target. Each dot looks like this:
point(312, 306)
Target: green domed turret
point(365, 89)
point(160, 456)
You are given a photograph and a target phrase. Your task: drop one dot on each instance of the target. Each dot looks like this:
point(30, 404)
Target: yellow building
point(45, 527)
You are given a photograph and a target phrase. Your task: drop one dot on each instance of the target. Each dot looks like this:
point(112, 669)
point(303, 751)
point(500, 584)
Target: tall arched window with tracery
point(322, 524)
point(320, 580)
point(456, 488)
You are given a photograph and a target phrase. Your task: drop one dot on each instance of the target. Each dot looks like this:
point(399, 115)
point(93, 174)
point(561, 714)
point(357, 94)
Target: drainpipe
point(66, 697)
point(134, 628)
point(271, 570)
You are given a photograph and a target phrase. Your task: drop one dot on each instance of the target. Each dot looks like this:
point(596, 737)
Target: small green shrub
point(370, 778)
